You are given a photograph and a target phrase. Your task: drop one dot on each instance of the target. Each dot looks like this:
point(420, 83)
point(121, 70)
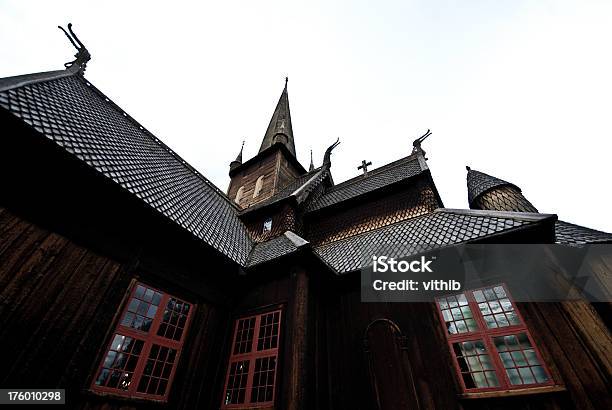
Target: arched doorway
point(388, 366)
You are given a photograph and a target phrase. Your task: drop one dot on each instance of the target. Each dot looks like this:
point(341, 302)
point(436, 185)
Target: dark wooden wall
point(59, 306)
point(571, 336)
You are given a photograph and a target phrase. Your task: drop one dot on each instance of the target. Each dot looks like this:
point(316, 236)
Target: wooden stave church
point(95, 209)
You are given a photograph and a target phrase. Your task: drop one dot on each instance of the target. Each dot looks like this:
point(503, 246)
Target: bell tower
point(274, 166)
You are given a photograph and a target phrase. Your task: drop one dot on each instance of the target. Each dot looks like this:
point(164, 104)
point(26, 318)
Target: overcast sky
point(517, 89)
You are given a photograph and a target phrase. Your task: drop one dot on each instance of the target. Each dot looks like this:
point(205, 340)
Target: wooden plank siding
point(247, 179)
point(277, 171)
point(59, 303)
point(573, 341)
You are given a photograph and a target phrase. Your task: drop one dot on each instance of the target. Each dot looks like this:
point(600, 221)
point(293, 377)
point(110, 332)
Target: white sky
point(517, 89)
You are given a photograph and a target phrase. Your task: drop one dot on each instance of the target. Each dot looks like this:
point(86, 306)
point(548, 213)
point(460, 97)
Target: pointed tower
point(274, 166)
point(238, 161)
point(494, 194)
point(280, 129)
point(311, 167)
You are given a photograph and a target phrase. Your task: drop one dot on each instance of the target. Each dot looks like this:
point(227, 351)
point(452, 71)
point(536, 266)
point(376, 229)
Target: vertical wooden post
point(297, 380)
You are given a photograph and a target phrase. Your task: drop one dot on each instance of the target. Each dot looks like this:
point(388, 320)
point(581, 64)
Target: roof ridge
point(17, 81)
point(375, 171)
point(158, 141)
point(525, 216)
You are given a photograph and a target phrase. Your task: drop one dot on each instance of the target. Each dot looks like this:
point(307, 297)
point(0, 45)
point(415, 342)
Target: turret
point(489, 193)
point(238, 161)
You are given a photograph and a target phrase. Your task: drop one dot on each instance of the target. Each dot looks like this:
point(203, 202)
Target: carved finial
point(286, 81)
point(311, 168)
point(328, 151)
point(82, 56)
point(416, 144)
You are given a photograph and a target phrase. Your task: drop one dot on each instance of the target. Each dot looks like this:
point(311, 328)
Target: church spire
point(311, 168)
point(280, 130)
point(238, 161)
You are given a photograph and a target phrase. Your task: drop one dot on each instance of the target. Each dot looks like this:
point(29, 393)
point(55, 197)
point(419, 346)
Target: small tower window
point(267, 225)
point(239, 195)
point(258, 186)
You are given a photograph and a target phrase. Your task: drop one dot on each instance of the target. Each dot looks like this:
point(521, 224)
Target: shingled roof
point(502, 199)
point(275, 248)
point(280, 125)
point(479, 182)
point(441, 228)
point(68, 110)
point(386, 175)
point(570, 234)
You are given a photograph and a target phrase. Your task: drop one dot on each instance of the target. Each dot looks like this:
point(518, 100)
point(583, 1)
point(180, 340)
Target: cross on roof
point(364, 165)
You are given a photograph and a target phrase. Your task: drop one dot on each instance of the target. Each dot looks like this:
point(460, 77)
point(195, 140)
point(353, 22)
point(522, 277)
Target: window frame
point(149, 339)
point(486, 335)
point(252, 357)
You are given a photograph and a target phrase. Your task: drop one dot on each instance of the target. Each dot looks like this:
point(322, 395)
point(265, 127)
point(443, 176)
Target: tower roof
point(479, 182)
point(279, 129)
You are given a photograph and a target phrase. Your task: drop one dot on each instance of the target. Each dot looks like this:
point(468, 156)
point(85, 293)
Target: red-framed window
point(253, 364)
point(492, 347)
point(141, 357)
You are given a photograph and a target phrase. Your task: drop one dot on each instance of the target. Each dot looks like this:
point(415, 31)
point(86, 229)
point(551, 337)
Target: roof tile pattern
point(570, 234)
point(479, 182)
point(80, 119)
point(272, 249)
point(378, 178)
point(503, 198)
point(435, 230)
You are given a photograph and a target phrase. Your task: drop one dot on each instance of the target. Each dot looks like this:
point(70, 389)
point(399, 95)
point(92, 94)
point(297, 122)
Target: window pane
point(141, 308)
point(263, 380)
point(496, 308)
point(244, 335)
point(173, 319)
point(119, 363)
point(236, 383)
point(519, 359)
point(473, 360)
point(457, 314)
point(268, 331)
point(154, 380)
